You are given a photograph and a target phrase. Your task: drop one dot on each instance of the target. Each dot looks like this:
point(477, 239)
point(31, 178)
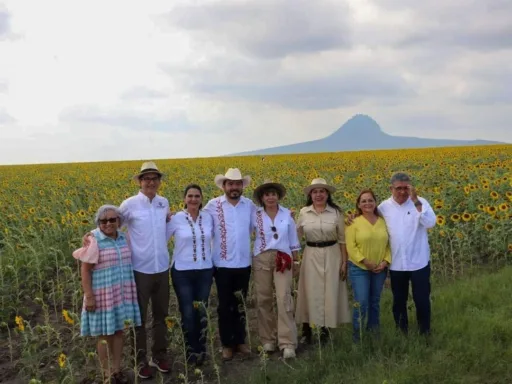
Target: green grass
point(471, 343)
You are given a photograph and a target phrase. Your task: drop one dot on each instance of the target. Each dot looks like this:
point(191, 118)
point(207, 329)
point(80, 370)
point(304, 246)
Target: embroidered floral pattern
point(223, 232)
point(194, 240)
point(259, 224)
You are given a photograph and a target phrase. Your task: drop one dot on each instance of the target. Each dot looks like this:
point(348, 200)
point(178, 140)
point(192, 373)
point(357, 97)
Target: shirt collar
point(327, 208)
point(223, 199)
point(393, 201)
point(279, 208)
point(145, 198)
point(102, 236)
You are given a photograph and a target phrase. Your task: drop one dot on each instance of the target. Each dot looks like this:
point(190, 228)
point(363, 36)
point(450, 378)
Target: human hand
point(370, 265)
point(412, 193)
point(382, 266)
point(90, 303)
point(343, 271)
point(86, 240)
point(350, 219)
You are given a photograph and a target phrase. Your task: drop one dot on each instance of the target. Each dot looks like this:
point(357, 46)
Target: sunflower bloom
point(440, 220)
point(20, 323)
point(67, 318)
point(455, 217)
point(494, 195)
point(62, 360)
point(169, 322)
point(488, 227)
point(466, 217)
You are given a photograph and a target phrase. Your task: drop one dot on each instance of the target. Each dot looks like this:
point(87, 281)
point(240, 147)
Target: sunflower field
point(46, 209)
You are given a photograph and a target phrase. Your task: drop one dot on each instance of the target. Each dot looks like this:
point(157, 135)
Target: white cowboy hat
point(319, 183)
point(232, 174)
point(148, 167)
point(268, 184)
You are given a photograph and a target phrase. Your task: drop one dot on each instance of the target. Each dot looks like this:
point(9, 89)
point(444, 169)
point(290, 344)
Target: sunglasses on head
point(112, 220)
point(274, 229)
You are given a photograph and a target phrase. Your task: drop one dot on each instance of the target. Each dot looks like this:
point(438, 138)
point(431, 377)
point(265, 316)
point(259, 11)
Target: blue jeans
point(367, 287)
point(193, 285)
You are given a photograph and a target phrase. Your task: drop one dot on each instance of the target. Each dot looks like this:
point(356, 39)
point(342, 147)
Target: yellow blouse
point(367, 241)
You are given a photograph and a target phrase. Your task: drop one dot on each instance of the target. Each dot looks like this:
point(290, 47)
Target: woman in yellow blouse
point(369, 257)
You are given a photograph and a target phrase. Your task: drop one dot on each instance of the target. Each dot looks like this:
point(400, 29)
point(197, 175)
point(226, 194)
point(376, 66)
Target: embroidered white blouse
point(287, 240)
point(232, 232)
point(192, 240)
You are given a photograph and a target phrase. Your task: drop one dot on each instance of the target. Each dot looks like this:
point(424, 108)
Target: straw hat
point(232, 174)
point(319, 183)
point(268, 184)
point(148, 167)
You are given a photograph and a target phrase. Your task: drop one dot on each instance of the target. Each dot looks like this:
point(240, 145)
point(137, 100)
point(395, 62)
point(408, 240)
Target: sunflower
point(442, 233)
point(81, 213)
point(491, 210)
point(466, 217)
point(485, 186)
point(62, 360)
point(503, 207)
point(32, 210)
point(488, 227)
point(481, 207)
point(494, 195)
point(169, 321)
point(455, 217)
point(20, 323)
point(510, 247)
point(459, 235)
point(67, 318)
point(440, 220)
point(466, 190)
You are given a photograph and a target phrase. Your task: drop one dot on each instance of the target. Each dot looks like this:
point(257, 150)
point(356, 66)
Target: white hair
point(104, 209)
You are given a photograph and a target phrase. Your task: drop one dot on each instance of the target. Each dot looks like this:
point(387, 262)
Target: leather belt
point(321, 244)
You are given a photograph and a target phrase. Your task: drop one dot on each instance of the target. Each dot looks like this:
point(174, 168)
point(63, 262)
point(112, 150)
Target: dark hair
point(259, 196)
point(330, 203)
point(358, 200)
point(193, 186)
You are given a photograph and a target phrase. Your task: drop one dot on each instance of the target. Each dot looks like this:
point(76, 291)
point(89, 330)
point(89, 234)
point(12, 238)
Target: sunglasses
point(112, 220)
point(274, 229)
point(147, 178)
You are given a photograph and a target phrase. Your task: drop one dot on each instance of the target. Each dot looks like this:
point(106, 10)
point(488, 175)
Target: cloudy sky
point(129, 79)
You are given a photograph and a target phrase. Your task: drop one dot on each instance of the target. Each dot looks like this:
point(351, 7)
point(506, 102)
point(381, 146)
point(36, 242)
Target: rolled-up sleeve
point(293, 237)
point(427, 215)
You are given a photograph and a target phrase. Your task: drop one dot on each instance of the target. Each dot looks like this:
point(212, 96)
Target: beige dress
point(322, 298)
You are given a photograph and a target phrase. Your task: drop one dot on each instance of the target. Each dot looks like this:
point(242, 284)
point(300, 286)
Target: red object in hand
point(283, 262)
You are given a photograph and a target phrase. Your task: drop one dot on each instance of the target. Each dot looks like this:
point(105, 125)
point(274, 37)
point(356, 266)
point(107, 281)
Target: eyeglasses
point(148, 179)
point(401, 189)
point(274, 229)
point(112, 220)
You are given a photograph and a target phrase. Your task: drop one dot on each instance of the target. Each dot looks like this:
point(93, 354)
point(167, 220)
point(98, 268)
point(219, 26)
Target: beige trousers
point(265, 279)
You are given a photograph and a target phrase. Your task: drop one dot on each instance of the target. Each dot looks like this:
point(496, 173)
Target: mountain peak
point(359, 125)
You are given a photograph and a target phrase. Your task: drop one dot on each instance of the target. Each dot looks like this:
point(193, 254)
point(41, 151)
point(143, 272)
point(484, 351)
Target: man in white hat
point(145, 218)
point(232, 258)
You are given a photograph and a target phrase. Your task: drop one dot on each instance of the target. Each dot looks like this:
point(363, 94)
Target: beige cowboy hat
point(319, 183)
point(232, 174)
point(268, 184)
point(148, 167)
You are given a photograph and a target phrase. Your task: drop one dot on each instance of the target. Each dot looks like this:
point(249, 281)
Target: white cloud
point(159, 79)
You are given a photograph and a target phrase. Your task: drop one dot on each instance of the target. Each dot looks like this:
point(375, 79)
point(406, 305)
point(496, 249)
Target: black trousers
point(231, 283)
point(420, 281)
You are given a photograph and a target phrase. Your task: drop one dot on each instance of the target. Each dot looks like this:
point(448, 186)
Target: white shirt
point(408, 235)
point(232, 232)
point(287, 240)
point(183, 255)
point(146, 223)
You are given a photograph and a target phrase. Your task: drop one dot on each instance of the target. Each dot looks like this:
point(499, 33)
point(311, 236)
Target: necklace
point(194, 240)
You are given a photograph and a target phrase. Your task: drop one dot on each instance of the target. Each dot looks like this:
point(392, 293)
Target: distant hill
point(361, 132)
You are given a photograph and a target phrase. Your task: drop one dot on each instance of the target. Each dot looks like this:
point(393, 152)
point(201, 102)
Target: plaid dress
point(114, 288)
